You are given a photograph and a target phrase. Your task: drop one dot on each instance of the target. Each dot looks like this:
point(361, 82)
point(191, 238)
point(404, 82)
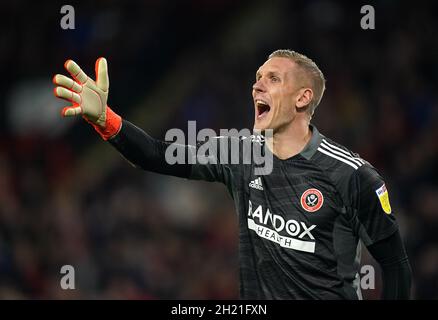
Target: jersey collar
point(312, 146)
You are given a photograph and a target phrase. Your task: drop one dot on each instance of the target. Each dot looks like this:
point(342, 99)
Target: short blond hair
point(311, 71)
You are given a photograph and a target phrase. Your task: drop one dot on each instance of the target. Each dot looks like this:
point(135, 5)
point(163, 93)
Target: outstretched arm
point(147, 153)
point(89, 99)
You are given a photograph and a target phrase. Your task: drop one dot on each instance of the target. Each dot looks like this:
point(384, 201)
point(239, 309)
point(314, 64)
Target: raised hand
point(88, 97)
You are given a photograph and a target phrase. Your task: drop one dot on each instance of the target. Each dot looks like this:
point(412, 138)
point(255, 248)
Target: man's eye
point(275, 79)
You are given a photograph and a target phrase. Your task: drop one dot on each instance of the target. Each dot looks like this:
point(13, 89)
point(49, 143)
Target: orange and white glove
point(89, 97)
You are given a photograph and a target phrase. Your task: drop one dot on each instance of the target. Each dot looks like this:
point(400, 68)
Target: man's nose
point(258, 86)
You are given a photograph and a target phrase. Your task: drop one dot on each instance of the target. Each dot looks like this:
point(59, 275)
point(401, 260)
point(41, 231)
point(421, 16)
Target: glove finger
point(66, 82)
point(71, 111)
point(68, 95)
point(102, 79)
point(75, 71)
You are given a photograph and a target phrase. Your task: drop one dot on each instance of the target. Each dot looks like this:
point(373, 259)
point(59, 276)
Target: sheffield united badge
point(312, 200)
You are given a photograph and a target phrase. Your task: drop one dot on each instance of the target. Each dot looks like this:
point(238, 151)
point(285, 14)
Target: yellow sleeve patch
point(382, 194)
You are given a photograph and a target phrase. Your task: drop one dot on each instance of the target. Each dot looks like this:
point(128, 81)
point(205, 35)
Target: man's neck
point(290, 141)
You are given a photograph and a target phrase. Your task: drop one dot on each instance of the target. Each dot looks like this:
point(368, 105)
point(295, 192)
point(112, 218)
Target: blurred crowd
point(67, 198)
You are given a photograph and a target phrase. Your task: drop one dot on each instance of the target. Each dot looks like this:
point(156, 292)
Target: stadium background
point(68, 198)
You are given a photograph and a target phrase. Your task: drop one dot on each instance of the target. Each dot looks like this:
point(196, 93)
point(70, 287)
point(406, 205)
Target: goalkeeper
point(302, 226)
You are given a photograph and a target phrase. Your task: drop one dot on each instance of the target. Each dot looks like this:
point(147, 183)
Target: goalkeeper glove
point(89, 97)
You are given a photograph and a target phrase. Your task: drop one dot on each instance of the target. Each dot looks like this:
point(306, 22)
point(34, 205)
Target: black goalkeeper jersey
point(300, 225)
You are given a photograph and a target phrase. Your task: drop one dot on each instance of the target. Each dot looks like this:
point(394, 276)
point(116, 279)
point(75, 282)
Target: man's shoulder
point(347, 170)
point(339, 162)
point(333, 154)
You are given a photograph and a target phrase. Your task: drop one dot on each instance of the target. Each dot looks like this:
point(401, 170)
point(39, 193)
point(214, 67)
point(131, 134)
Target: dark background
point(66, 197)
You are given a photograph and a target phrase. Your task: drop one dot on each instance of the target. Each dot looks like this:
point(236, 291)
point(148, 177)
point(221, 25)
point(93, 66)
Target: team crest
point(312, 200)
point(382, 194)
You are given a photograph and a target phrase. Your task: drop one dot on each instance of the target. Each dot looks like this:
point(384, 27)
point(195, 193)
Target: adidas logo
point(256, 184)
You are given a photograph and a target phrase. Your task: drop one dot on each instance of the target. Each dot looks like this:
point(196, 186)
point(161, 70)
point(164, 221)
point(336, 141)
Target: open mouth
point(262, 109)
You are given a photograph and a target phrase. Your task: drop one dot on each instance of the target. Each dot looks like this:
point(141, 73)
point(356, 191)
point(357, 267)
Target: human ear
point(304, 97)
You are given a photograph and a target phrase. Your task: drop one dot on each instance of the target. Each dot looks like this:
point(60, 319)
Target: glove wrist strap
point(112, 127)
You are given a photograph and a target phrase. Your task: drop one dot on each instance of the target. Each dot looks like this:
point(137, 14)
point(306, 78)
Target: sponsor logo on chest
point(288, 233)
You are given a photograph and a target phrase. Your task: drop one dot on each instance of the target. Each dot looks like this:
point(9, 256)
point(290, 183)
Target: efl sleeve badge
point(382, 194)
